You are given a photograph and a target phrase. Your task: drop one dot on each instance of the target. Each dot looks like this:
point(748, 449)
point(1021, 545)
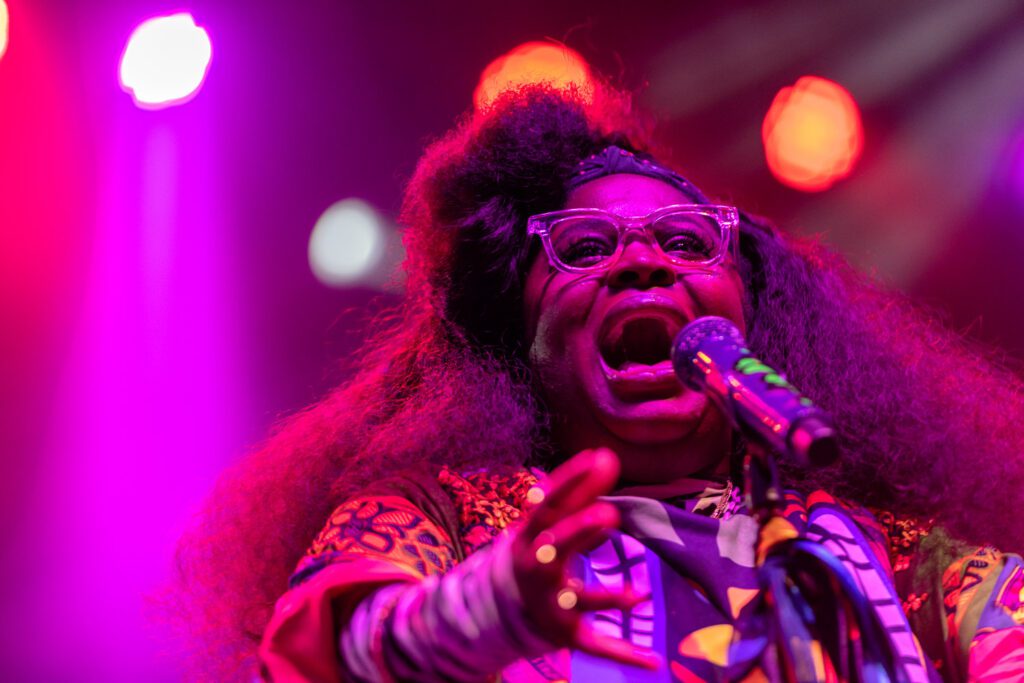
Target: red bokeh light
point(534, 62)
point(812, 134)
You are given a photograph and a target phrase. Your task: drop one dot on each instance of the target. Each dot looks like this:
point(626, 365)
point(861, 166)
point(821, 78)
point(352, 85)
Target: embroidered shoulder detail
point(381, 527)
point(486, 503)
point(904, 535)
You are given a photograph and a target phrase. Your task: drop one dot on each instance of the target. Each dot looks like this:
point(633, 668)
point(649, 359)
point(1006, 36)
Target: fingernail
point(605, 458)
point(535, 496)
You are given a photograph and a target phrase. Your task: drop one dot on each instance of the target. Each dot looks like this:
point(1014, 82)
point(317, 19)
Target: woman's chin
point(653, 422)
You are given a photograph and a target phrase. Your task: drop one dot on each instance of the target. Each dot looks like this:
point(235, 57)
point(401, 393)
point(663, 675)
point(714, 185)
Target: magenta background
point(157, 312)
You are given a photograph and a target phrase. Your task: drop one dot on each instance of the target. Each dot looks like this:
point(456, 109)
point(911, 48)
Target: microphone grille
point(708, 328)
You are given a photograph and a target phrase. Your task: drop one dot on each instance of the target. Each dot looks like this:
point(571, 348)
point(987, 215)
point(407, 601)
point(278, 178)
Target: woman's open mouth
point(635, 347)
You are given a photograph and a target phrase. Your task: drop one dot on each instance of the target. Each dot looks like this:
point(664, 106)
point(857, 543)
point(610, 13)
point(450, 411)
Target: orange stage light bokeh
point(534, 62)
point(812, 134)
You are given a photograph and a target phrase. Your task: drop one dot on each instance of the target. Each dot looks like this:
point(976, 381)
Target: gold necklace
point(723, 502)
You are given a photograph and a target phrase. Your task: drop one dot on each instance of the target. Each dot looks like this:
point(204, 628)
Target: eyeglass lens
point(589, 241)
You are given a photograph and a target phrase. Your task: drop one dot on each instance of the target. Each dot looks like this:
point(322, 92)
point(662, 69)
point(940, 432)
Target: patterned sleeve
point(400, 530)
point(379, 527)
point(965, 603)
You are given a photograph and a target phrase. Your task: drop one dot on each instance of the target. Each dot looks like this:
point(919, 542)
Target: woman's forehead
point(626, 194)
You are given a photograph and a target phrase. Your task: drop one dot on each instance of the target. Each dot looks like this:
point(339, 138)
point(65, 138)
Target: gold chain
point(723, 503)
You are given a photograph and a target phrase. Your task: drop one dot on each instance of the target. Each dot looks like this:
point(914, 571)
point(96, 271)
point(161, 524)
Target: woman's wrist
point(464, 626)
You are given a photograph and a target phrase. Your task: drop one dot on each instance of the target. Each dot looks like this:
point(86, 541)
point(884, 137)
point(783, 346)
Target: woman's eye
point(687, 244)
point(585, 251)
point(689, 237)
point(583, 242)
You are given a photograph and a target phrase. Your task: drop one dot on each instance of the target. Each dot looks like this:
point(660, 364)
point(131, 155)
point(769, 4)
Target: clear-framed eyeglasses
point(697, 236)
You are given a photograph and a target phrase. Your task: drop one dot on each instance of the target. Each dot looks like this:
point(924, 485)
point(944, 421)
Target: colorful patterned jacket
point(965, 605)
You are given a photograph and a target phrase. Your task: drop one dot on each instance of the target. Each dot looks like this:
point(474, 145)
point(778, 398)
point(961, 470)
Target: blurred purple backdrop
point(157, 309)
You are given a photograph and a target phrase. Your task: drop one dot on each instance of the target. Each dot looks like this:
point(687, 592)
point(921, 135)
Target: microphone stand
point(815, 607)
point(816, 611)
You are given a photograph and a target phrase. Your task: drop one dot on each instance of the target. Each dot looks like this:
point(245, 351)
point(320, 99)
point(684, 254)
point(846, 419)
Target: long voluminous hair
point(928, 425)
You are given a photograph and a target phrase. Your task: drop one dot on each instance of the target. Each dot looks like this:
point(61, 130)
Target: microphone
point(710, 355)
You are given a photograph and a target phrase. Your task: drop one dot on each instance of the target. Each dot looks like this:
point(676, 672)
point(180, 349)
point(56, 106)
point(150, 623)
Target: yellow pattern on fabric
point(740, 598)
point(961, 581)
point(777, 529)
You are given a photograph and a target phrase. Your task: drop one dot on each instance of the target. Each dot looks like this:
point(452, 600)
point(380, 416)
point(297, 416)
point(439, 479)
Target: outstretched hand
point(566, 518)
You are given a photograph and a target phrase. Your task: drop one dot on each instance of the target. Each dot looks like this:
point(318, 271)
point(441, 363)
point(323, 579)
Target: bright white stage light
point(5, 20)
point(347, 244)
point(165, 61)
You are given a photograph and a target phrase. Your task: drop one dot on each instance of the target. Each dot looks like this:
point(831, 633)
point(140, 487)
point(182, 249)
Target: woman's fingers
point(581, 530)
point(582, 478)
point(565, 520)
point(618, 650)
point(593, 600)
point(543, 561)
point(573, 485)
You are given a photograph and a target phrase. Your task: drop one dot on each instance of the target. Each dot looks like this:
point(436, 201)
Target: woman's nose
point(640, 266)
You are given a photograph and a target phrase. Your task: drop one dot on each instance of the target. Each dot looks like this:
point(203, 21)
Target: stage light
point(347, 243)
point(5, 22)
point(534, 62)
point(165, 61)
point(812, 134)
